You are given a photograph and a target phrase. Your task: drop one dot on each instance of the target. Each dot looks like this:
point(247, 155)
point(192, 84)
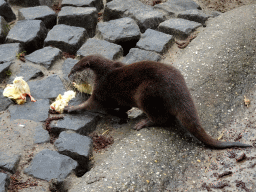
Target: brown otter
point(157, 89)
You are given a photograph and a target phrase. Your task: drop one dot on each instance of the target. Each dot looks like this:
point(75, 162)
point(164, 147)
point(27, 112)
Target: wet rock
point(119, 30)
point(44, 13)
point(49, 165)
point(4, 29)
point(47, 88)
point(83, 123)
point(178, 27)
point(76, 146)
point(67, 66)
point(45, 56)
point(26, 71)
point(102, 47)
point(67, 38)
point(6, 11)
point(4, 67)
point(80, 3)
point(4, 101)
point(8, 51)
point(156, 41)
point(194, 15)
point(173, 7)
point(79, 17)
point(4, 182)
point(136, 55)
point(25, 3)
point(144, 15)
point(41, 135)
point(30, 33)
point(9, 163)
point(35, 111)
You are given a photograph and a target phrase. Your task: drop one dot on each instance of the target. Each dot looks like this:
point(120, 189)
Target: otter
point(159, 90)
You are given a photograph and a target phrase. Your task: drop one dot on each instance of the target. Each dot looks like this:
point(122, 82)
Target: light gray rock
point(4, 68)
point(144, 15)
point(8, 51)
point(47, 88)
point(41, 135)
point(84, 3)
point(80, 17)
point(44, 13)
point(83, 123)
point(4, 182)
point(194, 15)
point(35, 111)
point(49, 165)
point(76, 146)
point(6, 11)
point(178, 27)
point(46, 56)
point(172, 8)
point(4, 101)
point(119, 30)
point(9, 163)
point(26, 71)
point(101, 47)
point(67, 38)
point(67, 66)
point(136, 55)
point(4, 29)
point(156, 41)
point(30, 33)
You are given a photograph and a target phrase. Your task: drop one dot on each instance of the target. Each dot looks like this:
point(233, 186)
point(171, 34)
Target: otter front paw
point(70, 109)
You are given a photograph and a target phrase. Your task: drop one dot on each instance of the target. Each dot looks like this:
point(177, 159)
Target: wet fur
point(157, 89)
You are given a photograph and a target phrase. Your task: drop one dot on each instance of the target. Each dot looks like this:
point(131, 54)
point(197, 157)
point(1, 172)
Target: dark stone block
point(44, 13)
point(4, 29)
point(67, 38)
point(8, 52)
point(9, 163)
point(49, 165)
point(30, 33)
point(6, 11)
point(80, 17)
point(101, 47)
point(81, 3)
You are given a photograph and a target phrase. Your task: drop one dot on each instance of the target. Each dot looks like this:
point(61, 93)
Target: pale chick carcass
point(18, 91)
point(62, 101)
point(85, 87)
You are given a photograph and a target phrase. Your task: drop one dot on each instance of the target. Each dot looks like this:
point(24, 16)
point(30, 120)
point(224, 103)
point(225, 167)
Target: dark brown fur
point(157, 89)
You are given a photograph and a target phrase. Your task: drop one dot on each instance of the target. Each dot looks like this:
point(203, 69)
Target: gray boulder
point(30, 33)
point(49, 165)
point(35, 111)
point(83, 123)
point(194, 15)
point(102, 47)
point(76, 146)
point(119, 30)
point(9, 162)
point(81, 3)
point(4, 101)
point(46, 56)
point(47, 88)
point(4, 68)
point(144, 15)
point(136, 55)
point(41, 135)
point(9, 51)
point(80, 17)
point(6, 11)
point(4, 29)
point(67, 38)
point(156, 41)
point(4, 182)
point(178, 27)
point(172, 8)
point(25, 3)
point(67, 66)
point(44, 13)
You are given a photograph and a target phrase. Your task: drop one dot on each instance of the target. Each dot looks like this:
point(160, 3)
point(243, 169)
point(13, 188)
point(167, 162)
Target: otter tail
point(192, 124)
